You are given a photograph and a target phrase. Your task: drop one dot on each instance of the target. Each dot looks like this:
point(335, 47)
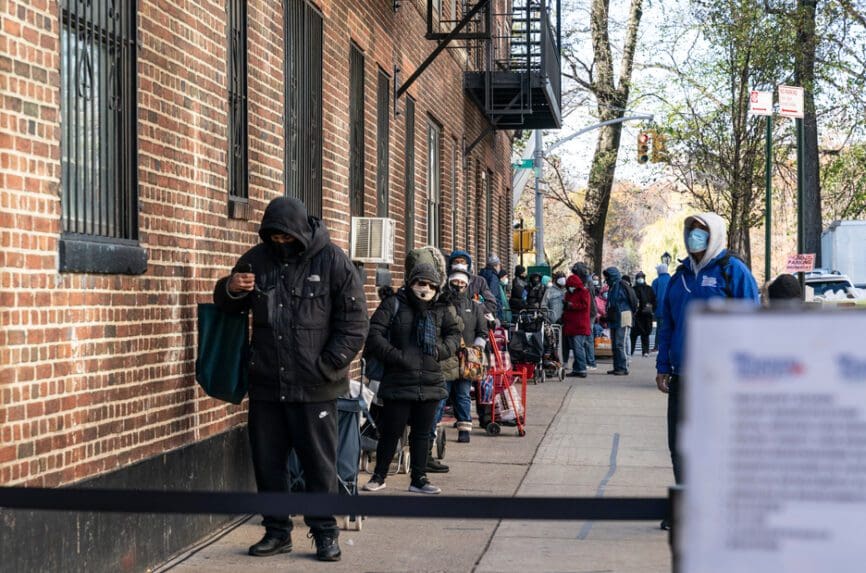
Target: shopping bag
point(509, 406)
point(472, 363)
point(223, 348)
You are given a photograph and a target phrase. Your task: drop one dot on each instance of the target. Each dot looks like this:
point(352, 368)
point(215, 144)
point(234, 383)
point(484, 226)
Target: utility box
point(843, 249)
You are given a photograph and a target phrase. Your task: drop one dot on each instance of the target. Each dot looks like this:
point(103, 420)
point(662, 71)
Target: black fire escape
point(513, 60)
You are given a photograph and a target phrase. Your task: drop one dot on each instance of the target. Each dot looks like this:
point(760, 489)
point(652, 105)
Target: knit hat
point(493, 259)
point(424, 272)
point(459, 275)
point(502, 273)
point(640, 275)
point(545, 280)
point(784, 287)
point(519, 270)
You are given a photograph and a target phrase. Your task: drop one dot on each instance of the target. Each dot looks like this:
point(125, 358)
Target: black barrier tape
point(231, 503)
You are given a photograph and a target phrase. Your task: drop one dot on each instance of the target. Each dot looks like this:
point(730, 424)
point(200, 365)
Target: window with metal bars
point(356, 131)
point(98, 138)
point(383, 142)
point(434, 191)
point(453, 193)
point(410, 174)
point(237, 94)
point(303, 94)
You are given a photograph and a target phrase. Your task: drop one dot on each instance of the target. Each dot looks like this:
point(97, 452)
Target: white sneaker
point(424, 487)
point(592, 367)
point(375, 484)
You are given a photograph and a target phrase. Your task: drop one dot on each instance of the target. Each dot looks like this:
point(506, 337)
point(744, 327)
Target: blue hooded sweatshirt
point(617, 298)
point(696, 281)
point(660, 286)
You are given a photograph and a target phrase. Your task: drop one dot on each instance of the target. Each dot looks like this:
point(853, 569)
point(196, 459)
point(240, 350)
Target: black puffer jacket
point(409, 373)
point(309, 311)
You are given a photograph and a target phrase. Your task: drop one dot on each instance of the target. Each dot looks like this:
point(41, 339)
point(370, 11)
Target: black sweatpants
point(392, 421)
point(643, 326)
point(311, 430)
point(673, 420)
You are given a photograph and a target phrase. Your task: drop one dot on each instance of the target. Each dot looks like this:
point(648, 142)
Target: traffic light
point(643, 140)
point(660, 151)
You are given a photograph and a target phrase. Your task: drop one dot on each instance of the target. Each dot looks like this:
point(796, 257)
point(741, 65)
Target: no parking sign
point(774, 442)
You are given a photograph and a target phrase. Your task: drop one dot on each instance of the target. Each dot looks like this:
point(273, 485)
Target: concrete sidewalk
point(602, 435)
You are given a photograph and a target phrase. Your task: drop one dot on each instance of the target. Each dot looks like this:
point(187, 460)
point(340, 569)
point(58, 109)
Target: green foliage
point(843, 181)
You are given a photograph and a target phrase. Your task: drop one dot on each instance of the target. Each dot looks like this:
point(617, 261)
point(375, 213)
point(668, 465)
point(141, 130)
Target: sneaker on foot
point(463, 436)
point(592, 367)
point(435, 466)
point(375, 484)
point(327, 545)
point(271, 545)
point(424, 486)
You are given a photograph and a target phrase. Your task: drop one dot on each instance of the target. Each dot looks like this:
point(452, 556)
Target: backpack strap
point(724, 267)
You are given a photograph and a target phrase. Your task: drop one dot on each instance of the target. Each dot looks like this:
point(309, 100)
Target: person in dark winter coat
point(575, 322)
point(474, 333)
point(643, 319)
point(618, 302)
point(479, 290)
point(490, 273)
point(411, 333)
point(518, 290)
point(534, 291)
point(309, 322)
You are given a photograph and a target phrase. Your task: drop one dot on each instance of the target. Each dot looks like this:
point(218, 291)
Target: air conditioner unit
point(373, 239)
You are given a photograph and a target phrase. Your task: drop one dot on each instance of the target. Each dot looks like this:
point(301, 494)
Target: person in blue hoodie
point(710, 271)
point(660, 286)
point(618, 302)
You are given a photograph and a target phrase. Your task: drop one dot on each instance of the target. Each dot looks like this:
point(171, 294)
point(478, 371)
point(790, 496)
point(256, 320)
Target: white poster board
point(791, 101)
point(774, 443)
point(760, 103)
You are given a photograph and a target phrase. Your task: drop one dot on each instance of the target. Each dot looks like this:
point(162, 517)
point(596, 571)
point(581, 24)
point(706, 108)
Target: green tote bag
point(223, 348)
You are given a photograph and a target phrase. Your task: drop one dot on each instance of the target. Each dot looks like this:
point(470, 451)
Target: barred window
point(303, 93)
point(383, 142)
point(433, 184)
point(410, 173)
point(98, 138)
point(454, 193)
point(237, 93)
point(357, 127)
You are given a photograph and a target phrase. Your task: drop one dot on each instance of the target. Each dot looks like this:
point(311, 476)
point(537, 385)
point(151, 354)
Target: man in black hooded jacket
point(309, 322)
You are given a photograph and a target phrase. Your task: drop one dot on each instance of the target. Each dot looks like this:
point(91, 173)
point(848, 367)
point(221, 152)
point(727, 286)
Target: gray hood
point(718, 238)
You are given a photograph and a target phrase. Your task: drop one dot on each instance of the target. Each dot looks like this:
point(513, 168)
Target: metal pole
point(768, 168)
point(539, 203)
point(801, 247)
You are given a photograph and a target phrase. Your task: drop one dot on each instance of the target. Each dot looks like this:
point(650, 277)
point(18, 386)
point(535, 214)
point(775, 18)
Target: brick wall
point(97, 371)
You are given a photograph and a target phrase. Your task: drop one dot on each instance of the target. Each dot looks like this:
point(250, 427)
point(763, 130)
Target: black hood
point(289, 215)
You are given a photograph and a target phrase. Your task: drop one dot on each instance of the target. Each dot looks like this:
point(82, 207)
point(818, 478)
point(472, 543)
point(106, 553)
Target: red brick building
point(139, 144)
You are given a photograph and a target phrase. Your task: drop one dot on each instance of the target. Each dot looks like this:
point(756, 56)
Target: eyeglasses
point(426, 284)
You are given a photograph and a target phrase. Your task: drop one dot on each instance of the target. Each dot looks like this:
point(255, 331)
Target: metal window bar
point(238, 129)
point(454, 191)
point(383, 142)
point(433, 185)
point(98, 109)
point(409, 204)
point(303, 95)
point(488, 210)
point(357, 140)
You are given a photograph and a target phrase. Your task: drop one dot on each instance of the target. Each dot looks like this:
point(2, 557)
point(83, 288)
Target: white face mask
point(504, 282)
point(560, 282)
point(460, 267)
point(424, 293)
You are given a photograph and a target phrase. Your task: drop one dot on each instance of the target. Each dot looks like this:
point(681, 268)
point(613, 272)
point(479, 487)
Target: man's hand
point(663, 381)
point(242, 282)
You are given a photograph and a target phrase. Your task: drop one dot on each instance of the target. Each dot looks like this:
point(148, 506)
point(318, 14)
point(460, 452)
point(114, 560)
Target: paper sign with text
point(773, 435)
point(791, 101)
point(800, 263)
point(761, 103)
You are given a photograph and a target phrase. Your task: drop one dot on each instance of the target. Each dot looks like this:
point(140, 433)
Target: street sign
point(791, 101)
point(761, 103)
point(800, 263)
point(524, 164)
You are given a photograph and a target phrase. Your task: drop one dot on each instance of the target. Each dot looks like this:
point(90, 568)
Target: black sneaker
point(434, 466)
point(463, 436)
point(271, 545)
point(665, 524)
point(327, 546)
point(375, 484)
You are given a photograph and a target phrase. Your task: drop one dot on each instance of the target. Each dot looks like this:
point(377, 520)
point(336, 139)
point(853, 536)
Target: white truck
point(843, 249)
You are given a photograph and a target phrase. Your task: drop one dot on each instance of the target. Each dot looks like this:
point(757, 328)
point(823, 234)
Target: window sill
point(101, 255)
point(239, 208)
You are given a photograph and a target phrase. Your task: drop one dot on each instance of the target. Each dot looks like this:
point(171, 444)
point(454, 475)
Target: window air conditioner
point(373, 239)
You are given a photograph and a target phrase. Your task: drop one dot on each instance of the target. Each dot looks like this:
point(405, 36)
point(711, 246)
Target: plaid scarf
point(426, 333)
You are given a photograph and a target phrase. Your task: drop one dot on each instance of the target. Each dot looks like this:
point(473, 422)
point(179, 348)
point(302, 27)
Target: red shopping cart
point(499, 400)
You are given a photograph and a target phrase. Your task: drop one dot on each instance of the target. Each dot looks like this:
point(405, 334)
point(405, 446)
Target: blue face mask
point(697, 240)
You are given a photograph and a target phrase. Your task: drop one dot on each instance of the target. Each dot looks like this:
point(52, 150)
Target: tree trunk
point(805, 73)
point(598, 193)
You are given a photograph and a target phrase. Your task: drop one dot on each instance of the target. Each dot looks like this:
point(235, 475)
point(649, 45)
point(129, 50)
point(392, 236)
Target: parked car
point(830, 285)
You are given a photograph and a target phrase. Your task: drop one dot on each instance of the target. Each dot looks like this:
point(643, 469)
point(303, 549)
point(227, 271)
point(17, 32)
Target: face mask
point(560, 282)
point(604, 296)
point(504, 282)
point(572, 289)
point(458, 287)
point(596, 282)
point(424, 293)
point(697, 240)
point(640, 281)
point(287, 251)
point(460, 267)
